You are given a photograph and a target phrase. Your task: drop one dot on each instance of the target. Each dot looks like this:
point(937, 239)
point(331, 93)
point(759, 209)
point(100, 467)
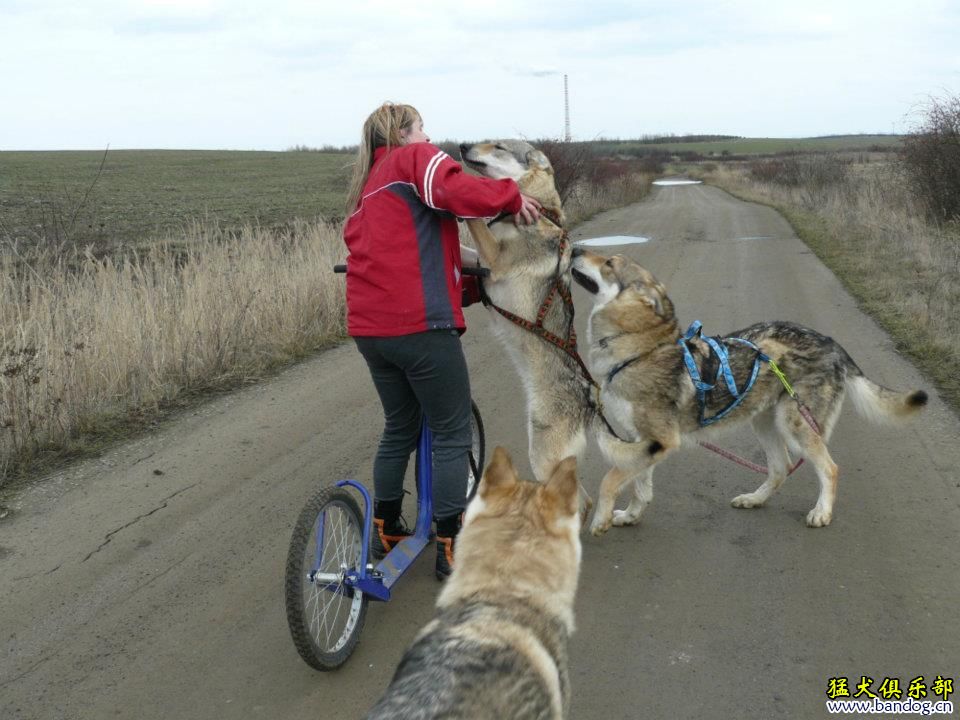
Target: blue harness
point(723, 370)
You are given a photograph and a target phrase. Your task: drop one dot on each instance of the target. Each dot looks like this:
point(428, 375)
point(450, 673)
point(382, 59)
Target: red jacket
point(403, 268)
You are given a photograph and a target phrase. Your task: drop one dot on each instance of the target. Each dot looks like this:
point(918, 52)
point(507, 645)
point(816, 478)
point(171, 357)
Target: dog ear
point(563, 486)
point(637, 302)
point(487, 244)
point(538, 183)
point(537, 158)
point(548, 196)
point(499, 473)
point(652, 298)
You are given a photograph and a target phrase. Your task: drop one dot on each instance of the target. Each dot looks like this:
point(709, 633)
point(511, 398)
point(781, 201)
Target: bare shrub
point(571, 164)
point(652, 163)
point(604, 171)
point(771, 171)
point(589, 183)
point(591, 198)
point(814, 171)
point(931, 159)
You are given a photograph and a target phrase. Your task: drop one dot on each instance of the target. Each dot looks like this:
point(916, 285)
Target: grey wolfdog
point(647, 388)
point(525, 263)
point(497, 648)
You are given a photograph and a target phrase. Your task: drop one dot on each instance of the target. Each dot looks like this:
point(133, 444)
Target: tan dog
point(525, 262)
point(498, 646)
point(648, 391)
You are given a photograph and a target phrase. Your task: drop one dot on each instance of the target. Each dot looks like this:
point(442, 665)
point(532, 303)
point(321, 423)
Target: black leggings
point(415, 374)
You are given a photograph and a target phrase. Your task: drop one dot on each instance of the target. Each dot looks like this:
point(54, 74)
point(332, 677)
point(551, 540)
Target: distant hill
point(732, 145)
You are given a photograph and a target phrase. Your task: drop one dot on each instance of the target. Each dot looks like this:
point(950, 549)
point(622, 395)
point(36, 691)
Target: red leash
point(760, 468)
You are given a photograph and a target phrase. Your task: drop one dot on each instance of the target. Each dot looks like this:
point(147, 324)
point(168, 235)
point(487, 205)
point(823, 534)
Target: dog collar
point(603, 342)
point(498, 218)
point(626, 363)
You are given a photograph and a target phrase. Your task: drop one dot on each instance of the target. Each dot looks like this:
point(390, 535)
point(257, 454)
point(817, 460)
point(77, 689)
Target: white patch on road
point(677, 182)
point(612, 240)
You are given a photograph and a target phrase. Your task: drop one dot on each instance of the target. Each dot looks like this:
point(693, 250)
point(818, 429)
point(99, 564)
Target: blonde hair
point(382, 128)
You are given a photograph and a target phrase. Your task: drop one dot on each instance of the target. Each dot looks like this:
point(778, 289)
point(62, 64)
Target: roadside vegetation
point(92, 346)
point(888, 225)
point(132, 282)
point(135, 281)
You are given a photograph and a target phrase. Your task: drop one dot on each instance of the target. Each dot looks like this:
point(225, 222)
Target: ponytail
point(382, 128)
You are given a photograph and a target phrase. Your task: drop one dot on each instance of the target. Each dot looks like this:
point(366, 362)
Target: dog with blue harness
point(662, 388)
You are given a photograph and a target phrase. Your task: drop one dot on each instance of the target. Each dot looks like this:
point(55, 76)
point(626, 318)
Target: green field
point(140, 193)
point(57, 197)
point(762, 146)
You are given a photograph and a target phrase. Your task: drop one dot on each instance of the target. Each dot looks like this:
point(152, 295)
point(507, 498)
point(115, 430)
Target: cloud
point(233, 73)
point(532, 72)
point(544, 73)
point(170, 25)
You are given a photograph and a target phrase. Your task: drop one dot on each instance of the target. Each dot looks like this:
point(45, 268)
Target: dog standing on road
point(497, 648)
point(648, 391)
point(525, 264)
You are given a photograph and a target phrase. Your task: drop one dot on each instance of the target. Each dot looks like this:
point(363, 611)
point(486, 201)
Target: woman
point(404, 311)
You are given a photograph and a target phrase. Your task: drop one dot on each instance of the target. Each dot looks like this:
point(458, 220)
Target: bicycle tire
point(308, 605)
point(477, 451)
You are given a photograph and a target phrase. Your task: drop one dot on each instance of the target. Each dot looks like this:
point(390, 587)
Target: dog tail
point(883, 405)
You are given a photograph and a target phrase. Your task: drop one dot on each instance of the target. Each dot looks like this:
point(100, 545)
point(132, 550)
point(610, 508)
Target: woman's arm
point(443, 185)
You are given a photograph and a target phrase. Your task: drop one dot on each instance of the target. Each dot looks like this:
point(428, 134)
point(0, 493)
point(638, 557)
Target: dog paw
point(622, 517)
point(598, 527)
point(748, 500)
point(818, 517)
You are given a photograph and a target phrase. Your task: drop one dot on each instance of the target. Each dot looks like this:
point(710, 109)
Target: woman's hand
point(529, 211)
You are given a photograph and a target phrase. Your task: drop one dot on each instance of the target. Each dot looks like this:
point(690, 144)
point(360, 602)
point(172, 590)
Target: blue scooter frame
point(376, 582)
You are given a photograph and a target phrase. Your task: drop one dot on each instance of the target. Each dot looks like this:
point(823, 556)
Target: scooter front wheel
point(324, 614)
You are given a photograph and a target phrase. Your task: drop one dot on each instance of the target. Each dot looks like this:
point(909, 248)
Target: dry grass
point(903, 270)
point(86, 342)
point(92, 346)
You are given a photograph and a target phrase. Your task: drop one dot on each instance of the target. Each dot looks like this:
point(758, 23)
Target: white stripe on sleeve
point(428, 177)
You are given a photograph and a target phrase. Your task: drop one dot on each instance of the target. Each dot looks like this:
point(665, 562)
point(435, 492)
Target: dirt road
point(148, 584)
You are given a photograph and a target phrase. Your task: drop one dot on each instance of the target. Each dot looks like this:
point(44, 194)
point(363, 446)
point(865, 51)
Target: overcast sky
point(270, 75)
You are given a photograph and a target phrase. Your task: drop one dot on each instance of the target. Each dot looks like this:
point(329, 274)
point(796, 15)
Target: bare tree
point(931, 159)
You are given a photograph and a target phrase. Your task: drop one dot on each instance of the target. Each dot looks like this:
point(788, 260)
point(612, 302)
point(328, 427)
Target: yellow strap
point(783, 378)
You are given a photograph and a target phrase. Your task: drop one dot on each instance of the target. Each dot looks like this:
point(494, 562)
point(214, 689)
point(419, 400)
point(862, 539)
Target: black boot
point(447, 531)
point(389, 527)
